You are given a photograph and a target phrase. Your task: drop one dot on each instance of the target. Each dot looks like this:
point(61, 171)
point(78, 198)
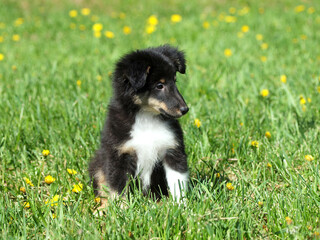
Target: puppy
point(142, 137)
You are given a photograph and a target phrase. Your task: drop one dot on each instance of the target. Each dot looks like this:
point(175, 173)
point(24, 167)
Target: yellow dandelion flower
point(241, 124)
point(255, 144)
point(302, 100)
point(94, 18)
point(240, 34)
point(122, 15)
point(97, 34)
point(311, 10)
point(85, 11)
point(175, 18)
point(288, 220)
point(16, 37)
point(197, 123)
point(14, 67)
point(97, 200)
point(263, 58)
point(150, 29)
point(45, 152)
point(309, 158)
point(283, 78)
point(77, 187)
point(173, 40)
point(53, 201)
point(82, 27)
point(318, 89)
point(299, 8)
point(316, 234)
point(303, 37)
point(269, 165)
point(264, 93)
point(206, 25)
point(309, 100)
point(109, 34)
point(221, 17)
point(232, 10)
point(71, 171)
point(152, 20)
point(229, 186)
point(1, 39)
point(218, 175)
point(28, 181)
point(304, 108)
point(99, 78)
point(126, 30)
point(22, 189)
point(230, 19)
point(227, 52)
point(54, 215)
point(79, 83)
point(1, 56)
point(244, 11)
point(49, 179)
point(245, 28)
point(264, 46)
point(259, 37)
point(268, 135)
point(73, 13)
point(18, 21)
point(73, 26)
point(97, 27)
point(26, 205)
point(260, 203)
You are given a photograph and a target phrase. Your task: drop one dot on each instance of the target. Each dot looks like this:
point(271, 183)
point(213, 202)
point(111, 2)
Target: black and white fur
point(142, 136)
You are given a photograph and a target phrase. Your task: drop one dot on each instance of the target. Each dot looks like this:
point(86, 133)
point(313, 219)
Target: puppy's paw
point(102, 210)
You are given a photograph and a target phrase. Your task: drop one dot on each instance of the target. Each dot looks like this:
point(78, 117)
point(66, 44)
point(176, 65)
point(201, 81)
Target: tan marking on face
point(137, 100)
point(162, 80)
point(126, 150)
point(157, 105)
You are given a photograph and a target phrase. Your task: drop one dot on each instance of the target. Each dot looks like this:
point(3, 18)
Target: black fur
point(136, 77)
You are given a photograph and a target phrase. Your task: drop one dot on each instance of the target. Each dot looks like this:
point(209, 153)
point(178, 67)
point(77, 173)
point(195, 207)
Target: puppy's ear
point(137, 74)
point(176, 56)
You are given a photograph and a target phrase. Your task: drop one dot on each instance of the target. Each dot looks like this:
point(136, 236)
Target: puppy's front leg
point(176, 169)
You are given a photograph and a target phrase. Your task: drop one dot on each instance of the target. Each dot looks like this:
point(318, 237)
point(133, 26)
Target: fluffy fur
point(142, 137)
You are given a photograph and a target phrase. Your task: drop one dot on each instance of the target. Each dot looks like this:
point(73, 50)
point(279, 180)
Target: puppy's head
point(148, 79)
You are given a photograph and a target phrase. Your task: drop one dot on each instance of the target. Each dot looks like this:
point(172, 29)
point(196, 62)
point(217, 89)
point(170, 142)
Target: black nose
point(184, 110)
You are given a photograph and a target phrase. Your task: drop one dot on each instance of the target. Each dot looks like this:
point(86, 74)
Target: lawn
point(252, 134)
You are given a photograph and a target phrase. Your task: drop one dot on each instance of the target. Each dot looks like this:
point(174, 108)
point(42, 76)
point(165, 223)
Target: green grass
point(42, 107)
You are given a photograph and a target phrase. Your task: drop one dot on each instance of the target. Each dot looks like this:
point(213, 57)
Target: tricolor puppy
point(142, 137)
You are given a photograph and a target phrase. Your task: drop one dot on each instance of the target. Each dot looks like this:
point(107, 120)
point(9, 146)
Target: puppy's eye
point(159, 86)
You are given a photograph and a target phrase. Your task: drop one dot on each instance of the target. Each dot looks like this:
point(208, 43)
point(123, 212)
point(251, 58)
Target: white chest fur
point(150, 138)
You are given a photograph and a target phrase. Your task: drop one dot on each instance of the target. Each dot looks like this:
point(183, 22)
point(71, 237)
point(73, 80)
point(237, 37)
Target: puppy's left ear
point(176, 56)
point(137, 74)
